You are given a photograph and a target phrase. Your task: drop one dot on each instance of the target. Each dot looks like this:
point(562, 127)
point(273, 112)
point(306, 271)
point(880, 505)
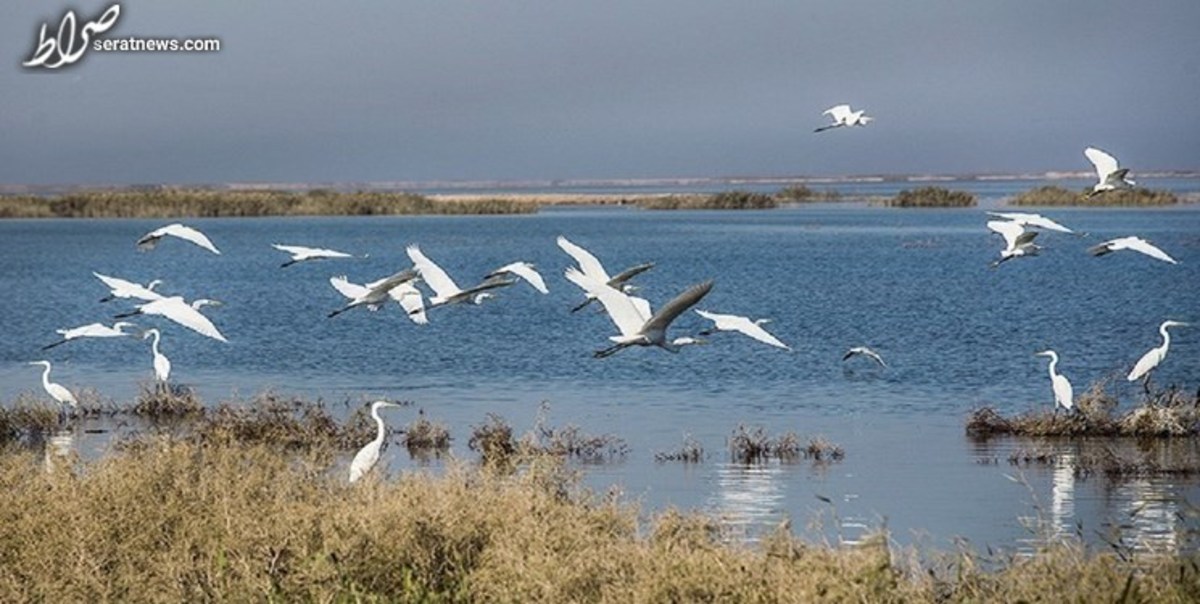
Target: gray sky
point(508, 89)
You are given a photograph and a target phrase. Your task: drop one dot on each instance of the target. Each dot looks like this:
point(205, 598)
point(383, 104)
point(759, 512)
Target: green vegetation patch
point(727, 200)
point(1052, 195)
point(931, 197)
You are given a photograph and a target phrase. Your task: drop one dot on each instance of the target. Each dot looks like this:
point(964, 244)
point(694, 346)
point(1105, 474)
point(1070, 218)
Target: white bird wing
point(669, 311)
point(1036, 220)
point(438, 280)
point(744, 326)
point(409, 298)
point(525, 271)
point(298, 251)
point(1149, 361)
point(839, 113)
point(346, 288)
point(867, 352)
point(84, 331)
point(1138, 244)
point(128, 288)
point(587, 262)
point(180, 312)
point(186, 233)
point(365, 459)
point(1105, 164)
point(1011, 231)
point(627, 315)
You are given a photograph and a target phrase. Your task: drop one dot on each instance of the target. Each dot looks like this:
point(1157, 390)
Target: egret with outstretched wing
point(120, 288)
point(1111, 175)
point(865, 352)
point(187, 233)
point(524, 270)
point(1017, 241)
point(1136, 244)
point(742, 325)
point(179, 311)
point(91, 330)
point(444, 289)
point(302, 254)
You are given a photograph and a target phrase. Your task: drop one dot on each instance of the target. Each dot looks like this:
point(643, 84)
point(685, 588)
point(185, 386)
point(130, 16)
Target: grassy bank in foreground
point(173, 203)
point(186, 521)
point(1051, 195)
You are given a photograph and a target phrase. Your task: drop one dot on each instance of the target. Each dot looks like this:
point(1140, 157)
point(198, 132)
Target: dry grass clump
point(1051, 195)
point(423, 437)
point(287, 423)
point(494, 442)
point(28, 418)
point(748, 446)
point(931, 197)
point(690, 452)
point(804, 194)
point(727, 200)
point(569, 441)
point(161, 403)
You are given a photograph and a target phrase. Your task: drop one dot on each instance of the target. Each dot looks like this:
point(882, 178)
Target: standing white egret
point(1063, 393)
point(405, 294)
point(632, 315)
point(444, 289)
point(301, 253)
point(179, 311)
point(1136, 244)
point(1154, 356)
point(91, 330)
point(524, 270)
point(59, 393)
point(372, 294)
point(1031, 220)
point(741, 325)
point(1017, 241)
point(590, 266)
point(162, 365)
point(843, 116)
point(187, 233)
point(366, 457)
point(1110, 174)
point(866, 352)
point(120, 288)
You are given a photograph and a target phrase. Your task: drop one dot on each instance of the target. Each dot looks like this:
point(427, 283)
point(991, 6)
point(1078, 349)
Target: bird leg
point(582, 305)
point(607, 352)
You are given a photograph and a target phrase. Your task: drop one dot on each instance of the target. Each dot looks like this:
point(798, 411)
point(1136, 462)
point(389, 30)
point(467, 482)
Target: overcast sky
point(496, 89)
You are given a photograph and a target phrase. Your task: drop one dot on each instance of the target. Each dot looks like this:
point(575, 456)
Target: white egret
point(1111, 175)
point(179, 311)
point(866, 352)
point(842, 115)
point(1154, 356)
point(1063, 394)
point(187, 233)
point(444, 289)
point(1017, 241)
point(632, 315)
point(524, 270)
point(120, 288)
point(162, 365)
point(590, 266)
point(91, 330)
point(405, 294)
point(1136, 244)
point(373, 294)
point(301, 253)
point(741, 325)
point(59, 393)
point(366, 457)
point(1031, 220)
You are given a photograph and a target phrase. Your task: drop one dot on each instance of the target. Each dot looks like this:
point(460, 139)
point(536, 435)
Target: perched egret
point(741, 325)
point(1063, 394)
point(866, 352)
point(162, 365)
point(843, 116)
point(1136, 244)
point(373, 294)
point(179, 311)
point(301, 254)
point(1111, 175)
point(366, 457)
point(1154, 356)
point(1031, 220)
point(632, 315)
point(187, 233)
point(444, 289)
point(405, 294)
point(91, 330)
point(524, 270)
point(60, 394)
point(1017, 241)
point(120, 288)
point(590, 266)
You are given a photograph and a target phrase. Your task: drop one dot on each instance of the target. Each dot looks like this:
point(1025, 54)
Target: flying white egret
point(1031, 220)
point(590, 266)
point(405, 294)
point(444, 289)
point(1136, 244)
point(1063, 394)
point(524, 270)
point(120, 288)
point(187, 233)
point(1111, 175)
point(1154, 356)
point(741, 325)
point(301, 253)
point(366, 457)
point(373, 294)
point(1017, 241)
point(842, 115)
point(162, 365)
point(179, 311)
point(866, 352)
point(632, 315)
point(91, 330)
point(60, 394)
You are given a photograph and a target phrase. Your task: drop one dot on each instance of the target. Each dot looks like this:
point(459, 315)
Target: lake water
point(913, 284)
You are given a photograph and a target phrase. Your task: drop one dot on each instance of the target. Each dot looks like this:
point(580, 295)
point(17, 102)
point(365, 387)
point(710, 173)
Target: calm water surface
point(915, 285)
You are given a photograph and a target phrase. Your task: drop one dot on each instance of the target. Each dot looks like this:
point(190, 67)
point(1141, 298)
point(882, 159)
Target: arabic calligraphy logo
point(68, 47)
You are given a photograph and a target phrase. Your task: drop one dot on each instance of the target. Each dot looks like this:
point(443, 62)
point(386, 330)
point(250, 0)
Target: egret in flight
point(366, 457)
point(866, 352)
point(372, 295)
point(590, 266)
point(187, 233)
point(444, 289)
point(524, 270)
point(301, 254)
point(1017, 241)
point(120, 288)
point(179, 311)
point(1154, 356)
point(741, 325)
point(162, 365)
point(1136, 244)
point(91, 330)
point(60, 394)
point(633, 318)
point(1031, 220)
point(405, 294)
point(1063, 394)
point(843, 116)
point(1111, 175)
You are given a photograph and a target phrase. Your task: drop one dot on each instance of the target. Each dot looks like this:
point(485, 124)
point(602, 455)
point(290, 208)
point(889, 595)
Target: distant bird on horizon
point(1112, 176)
point(524, 270)
point(1017, 241)
point(120, 288)
point(843, 116)
point(1063, 394)
point(91, 330)
point(1154, 356)
point(445, 290)
point(179, 311)
point(590, 266)
point(1136, 244)
point(405, 294)
point(866, 352)
point(742, 325)
point(302, 254)
point(58, 392)
point(187, 233)
point(1031, 220)
point(368, 456)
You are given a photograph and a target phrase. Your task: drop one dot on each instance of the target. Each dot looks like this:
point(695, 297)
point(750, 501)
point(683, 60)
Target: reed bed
point(1051, 195)
point(727, 200)
point(931, 197)
point(806, 194)
point(755, 445)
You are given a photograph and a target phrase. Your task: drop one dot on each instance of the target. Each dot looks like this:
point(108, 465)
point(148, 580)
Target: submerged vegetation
point(727, 200)
point(747, 446)
point(931, 197)
point(1051, 195)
